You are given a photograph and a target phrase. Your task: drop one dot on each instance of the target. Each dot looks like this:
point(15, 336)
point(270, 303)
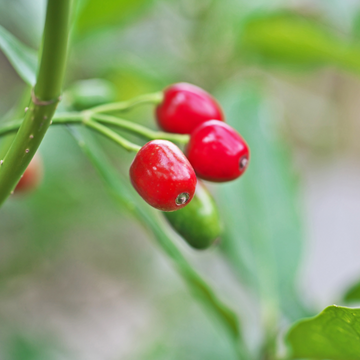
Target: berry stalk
point(80, 118)
point(44, 99)
point(153, 98)
point(140, 130)
point(112, 135)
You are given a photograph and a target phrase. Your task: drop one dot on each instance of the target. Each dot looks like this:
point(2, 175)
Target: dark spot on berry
point(243, 162)
point(182, 198)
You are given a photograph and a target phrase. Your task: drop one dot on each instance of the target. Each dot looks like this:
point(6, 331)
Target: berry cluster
point(165, 177)
point(161, 173)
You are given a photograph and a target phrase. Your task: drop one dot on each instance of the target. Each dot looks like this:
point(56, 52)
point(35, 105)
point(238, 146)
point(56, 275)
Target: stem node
point(38, 102)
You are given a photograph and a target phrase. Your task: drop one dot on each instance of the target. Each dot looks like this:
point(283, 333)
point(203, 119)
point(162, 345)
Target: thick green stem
point(55, 43)
point(44, 99)
point(154, 98)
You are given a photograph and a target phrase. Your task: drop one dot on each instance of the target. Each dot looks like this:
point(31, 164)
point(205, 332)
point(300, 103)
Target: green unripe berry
point(199, 221)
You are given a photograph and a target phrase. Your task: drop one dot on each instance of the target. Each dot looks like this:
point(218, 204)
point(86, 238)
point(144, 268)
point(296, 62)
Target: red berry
point(217, 152)
point(185, 107)
point(32, 176)
point(163, 176)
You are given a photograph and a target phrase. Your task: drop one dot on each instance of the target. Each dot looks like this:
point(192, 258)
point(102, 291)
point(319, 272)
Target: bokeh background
point(81, 279)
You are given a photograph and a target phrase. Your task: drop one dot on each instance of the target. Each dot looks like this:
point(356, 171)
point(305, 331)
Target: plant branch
point(79, 118)
point(44, 99)
point(54, 54)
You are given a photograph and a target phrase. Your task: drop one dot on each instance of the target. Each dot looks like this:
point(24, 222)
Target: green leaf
point(22, 58)
point(20, 348)
point(353, 294)
point(94, 15)
point(333, 334)
point(289, 39)
point(84, 94)
point(126, 196)
point(263, 232)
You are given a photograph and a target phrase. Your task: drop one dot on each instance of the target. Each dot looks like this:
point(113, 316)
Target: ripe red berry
point(217, 152)
point(185, 107)
point(163, 176)
point(32, 176)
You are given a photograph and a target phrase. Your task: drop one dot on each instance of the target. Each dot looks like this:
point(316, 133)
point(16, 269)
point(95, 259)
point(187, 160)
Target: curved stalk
point(44, 99)
point(80, 118)
point(112, 135)
point(140, 130)
point(154, 98)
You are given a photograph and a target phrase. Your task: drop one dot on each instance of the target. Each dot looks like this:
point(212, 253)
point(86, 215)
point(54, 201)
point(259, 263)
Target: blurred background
point(81, 279)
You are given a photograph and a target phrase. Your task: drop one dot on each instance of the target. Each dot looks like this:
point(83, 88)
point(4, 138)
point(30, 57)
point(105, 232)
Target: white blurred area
point(332, 196)
point(322, 118)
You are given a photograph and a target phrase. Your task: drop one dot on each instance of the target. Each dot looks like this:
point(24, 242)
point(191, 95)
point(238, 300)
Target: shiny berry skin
point(185, 107)
point(217, 152)
point(163, 176)
point(32, 176)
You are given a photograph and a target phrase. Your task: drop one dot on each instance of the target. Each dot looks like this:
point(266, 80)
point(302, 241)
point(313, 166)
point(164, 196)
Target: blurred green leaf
point(21, 348)
point(84, 94)
point(151, 219)
point(333, 334)
point(288, 39)
point(353, 294)
point(187, 337)
point(263, 236)
point(34, 222)
point(22, 58)
point(356, 25)
point(94, 14)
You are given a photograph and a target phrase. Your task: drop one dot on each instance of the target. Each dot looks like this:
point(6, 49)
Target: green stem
point(154, 98)
point(140, 130)
point(79, 118)
point(44, 99)
point(60, 119)
point(112, 135)
point(55, 45)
